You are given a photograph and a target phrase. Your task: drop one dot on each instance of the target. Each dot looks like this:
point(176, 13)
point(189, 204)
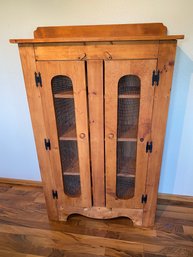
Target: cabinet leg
point(148, 218)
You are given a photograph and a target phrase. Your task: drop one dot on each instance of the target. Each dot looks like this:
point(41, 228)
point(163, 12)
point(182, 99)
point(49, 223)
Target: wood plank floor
point(25, 230)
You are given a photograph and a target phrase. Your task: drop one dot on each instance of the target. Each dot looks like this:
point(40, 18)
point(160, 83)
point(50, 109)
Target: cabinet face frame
point(95, 71)
point(97, 51)
point(75, 70)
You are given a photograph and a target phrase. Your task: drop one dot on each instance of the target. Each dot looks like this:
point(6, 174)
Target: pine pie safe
point(98, 98)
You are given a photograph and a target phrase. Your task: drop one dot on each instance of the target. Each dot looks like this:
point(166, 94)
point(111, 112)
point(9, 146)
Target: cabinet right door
point(129, 98)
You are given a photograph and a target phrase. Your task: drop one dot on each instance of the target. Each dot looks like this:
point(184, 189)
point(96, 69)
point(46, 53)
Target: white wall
point(19, 18)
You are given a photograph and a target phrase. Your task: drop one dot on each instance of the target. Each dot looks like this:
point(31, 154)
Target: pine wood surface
point(101, 30)
point(74, 70)
point(98, 50)
point(37, 118)
point(96, 125)
point(166, 60)
point(94, 39)
point(25, 230)
point(113, 71)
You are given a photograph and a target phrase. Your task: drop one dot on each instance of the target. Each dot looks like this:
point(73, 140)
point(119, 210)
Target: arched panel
point(66, 125)
point(127, 130)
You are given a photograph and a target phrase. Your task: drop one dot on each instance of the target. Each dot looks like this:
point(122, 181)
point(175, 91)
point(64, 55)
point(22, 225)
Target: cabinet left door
point(64, 101)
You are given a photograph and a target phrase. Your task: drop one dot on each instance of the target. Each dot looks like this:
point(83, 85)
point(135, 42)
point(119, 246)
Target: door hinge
point(149, 147)
point(55, 194)
point(144, 199)
point(155, 78)
point(38, 79)
point(47, 144)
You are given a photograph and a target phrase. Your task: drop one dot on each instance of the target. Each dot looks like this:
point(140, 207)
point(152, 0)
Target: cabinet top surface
point(100, 33)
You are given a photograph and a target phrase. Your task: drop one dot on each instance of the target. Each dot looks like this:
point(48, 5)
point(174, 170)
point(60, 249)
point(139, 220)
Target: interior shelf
point(64, 94)
point(128, 96)
point(72, 169)
point(127, 134)
point(65, 118)
point(125, 175)
point(69, 134)
point(126, 167)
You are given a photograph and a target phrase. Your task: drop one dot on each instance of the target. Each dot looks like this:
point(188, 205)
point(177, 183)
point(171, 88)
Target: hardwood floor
point(25, 230)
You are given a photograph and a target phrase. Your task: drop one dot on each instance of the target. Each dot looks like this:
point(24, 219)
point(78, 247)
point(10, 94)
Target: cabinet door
point(64, 100)
point(128, 112)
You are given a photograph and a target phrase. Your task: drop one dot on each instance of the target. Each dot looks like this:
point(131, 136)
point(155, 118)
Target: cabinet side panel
point(37, 118)
point(96, 122)
point(166, 60)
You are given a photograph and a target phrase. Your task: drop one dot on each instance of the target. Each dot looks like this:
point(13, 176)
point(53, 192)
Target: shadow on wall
point(177, 109)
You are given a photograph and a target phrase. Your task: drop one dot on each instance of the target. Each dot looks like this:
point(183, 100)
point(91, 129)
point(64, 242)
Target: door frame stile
point(38, 122)
point(96, 126)
point(166, 60)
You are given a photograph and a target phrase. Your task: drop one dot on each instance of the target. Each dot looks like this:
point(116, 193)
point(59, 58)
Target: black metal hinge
point(47, 144)
point(38, 79)
point(55, 194)
point(144, 199)
point(155, 78)
point(149, 147)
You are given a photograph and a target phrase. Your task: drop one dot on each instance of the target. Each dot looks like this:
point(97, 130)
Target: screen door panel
point(64, 100)
point(128, 111)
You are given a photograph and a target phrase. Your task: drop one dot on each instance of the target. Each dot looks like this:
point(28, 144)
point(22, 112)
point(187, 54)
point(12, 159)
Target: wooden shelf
point(69, 134)
point(71, 173)
point(64, 94)
point(127, 168)
point(125, 175)
point(129, 135)
point(73, 169)
point(127, 96)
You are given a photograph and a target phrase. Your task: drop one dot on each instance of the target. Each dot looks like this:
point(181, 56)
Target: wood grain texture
point(100, 33)
point(76, 72)
point(114, 70)
point(95, 39)
point(136, 215)
point(96, 125)
point(130, 50)
point(39, 128)
point(21, 182)
point(25, 230)
point(101, 30)
point(172, 199)
point(166, 60)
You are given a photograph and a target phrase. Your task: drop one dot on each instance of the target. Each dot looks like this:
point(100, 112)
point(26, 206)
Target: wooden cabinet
point(98, 97)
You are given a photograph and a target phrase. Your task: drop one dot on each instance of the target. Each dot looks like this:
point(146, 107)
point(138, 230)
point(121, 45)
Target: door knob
point(141, 139)
point(111, 136)
point(82, 135)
